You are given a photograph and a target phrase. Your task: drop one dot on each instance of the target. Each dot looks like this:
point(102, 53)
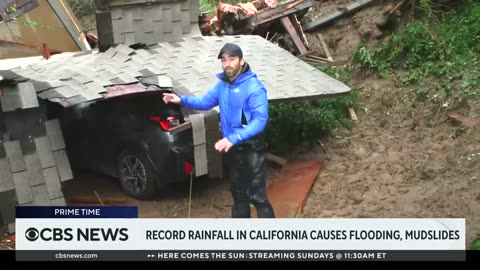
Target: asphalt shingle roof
point(192, 63)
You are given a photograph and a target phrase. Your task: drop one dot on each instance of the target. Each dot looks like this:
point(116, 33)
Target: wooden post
point(325, 47)
point(287, 24)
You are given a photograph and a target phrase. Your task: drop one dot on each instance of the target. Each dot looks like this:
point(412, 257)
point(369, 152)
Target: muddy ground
point(398, 160)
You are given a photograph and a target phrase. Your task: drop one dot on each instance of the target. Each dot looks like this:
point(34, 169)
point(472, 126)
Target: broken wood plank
point(394, 9)
point(315, 61)
point(325, 47)
point(294, 4)
point(279, 160)
point(269, 15)
point(353, 115)
point(298, 27)
point(329, 18)
point(287, 24)
point(466, 121)
point(318, 58)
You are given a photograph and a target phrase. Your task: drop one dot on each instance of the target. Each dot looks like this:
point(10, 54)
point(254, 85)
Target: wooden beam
point(353, 115)
point(287, 24)
point(325, 47)
point(271, 14)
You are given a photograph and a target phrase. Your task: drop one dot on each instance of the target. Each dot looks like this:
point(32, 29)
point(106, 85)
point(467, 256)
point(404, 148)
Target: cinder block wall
point(145, 21)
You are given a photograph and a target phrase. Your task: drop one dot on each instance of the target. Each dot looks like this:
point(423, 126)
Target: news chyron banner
point(117, 234)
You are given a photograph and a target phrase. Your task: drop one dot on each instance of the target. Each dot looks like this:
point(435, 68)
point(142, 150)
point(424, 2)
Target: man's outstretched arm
point(206, 102)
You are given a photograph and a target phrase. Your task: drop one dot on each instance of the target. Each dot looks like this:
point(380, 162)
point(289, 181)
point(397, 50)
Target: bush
point(292, 124)
point(82, 7)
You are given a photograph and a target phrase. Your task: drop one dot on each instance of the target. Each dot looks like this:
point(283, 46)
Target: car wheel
point(136, 175)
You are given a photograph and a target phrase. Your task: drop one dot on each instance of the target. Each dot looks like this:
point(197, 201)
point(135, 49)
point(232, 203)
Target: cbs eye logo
point(32, 234)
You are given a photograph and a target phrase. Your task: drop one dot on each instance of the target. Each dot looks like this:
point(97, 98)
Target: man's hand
point(171, 98)
point(223, 145)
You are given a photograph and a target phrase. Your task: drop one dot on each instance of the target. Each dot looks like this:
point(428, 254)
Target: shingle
point(139, 31)
point(186, 21)
point(6, 177)
point(8, 203)
point(150, 80)
point(15, 156)
point(41, 86)
point(124, 50)
point(126, 78)
point(54, 134)
point(120, 58)
point(8, 74)
point(83, 78)
point(89, 94)
point(58, 202)
point(52, 181)
point(129, 38)
point(28, 95)
point(147, 73)
point(200, 155)
point(97, 88)
point(194, 11)
point(107, 75)
point(117, 28)
point(49, 94)
point(177, 30)
point(131, 71)
point(198, 128)
point(99, 80)
point(127, 20)
point(22, 187)
point(176, 12)
point(116, 13)
point(66, 91)
point(148, 20)
point(63, 165)
point(167, 21)
point(156, 13)
point(34, 170)
point(40, 195)
point(181, 90)
point(165, 81)
point(44, 151)
point(76, 99)
point(10, 99)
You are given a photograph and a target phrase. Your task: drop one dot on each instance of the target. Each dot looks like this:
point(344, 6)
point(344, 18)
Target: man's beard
point(233, 72)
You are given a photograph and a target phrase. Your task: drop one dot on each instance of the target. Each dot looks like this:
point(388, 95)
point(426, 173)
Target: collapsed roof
point(192, 63)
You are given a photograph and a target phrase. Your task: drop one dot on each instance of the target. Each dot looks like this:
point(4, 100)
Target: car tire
point(136, 174)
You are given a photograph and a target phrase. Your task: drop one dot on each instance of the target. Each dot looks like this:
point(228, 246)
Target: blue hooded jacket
point(246, 93)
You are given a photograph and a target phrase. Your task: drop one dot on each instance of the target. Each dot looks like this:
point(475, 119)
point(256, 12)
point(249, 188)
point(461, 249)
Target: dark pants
point(246, 164)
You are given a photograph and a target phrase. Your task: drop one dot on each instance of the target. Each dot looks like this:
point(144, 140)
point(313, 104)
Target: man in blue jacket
point(244, 114)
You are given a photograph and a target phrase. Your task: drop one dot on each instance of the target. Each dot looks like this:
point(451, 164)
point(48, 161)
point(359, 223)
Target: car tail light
point(187, 167)
point(166, 124)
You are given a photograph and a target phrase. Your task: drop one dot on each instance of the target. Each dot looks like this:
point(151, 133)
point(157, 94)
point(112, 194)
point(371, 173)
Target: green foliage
point(295, 123)
point(82, 7)
point(208, 6)
point(475, 245)
point(440, 46)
